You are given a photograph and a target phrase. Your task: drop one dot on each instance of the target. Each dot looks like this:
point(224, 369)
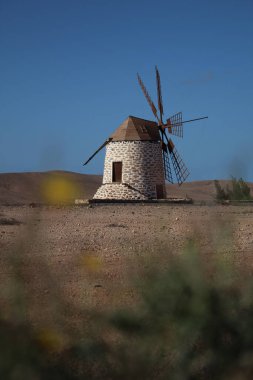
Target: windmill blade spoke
point(175, 125)
point(146, 94)
point(180, 169)
point(159, 94)
point(198, 118)
point(98, 150)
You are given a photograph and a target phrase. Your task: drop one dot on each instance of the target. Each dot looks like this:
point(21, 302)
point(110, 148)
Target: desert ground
point(94, 252)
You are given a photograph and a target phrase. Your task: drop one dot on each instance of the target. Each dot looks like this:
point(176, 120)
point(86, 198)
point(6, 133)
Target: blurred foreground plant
point(193, 320)
point(59, 188)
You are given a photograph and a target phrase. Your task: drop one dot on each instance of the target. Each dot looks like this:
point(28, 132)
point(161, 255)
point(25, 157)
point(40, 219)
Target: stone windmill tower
point(138, 156)
point(133, 166)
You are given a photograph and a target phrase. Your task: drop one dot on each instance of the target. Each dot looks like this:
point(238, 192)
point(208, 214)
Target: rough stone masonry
point(142, 171)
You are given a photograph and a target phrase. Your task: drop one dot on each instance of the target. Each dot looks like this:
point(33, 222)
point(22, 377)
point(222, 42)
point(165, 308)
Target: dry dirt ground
point(90, 253)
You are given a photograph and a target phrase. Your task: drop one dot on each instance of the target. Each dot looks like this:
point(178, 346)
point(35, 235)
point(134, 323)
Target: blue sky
point(68, 79)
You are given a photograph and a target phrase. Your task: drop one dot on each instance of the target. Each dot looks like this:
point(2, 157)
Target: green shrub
point(220, 193)
point(239, 190)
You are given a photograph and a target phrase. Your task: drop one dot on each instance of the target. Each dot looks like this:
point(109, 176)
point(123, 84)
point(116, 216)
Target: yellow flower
point(50, 340)
point(91, 262)
point(58, 188)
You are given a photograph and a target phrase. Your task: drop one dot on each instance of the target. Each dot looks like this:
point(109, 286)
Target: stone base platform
point(157, 201)
point(118, 191)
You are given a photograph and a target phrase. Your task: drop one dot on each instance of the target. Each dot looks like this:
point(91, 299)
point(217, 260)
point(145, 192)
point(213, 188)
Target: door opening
point(159, 192)
point(117, 172)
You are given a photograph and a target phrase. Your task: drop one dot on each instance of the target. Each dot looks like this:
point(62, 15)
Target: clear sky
point(68, 79)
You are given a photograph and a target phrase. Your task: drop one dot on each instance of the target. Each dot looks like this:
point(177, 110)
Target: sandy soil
point(91, 253)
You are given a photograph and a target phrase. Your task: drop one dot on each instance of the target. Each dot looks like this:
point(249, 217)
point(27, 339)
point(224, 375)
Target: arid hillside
point(26, 188)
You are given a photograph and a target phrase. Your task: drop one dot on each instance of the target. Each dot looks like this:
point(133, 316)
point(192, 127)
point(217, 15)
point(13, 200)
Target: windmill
point(139, 153)
point(174, 126)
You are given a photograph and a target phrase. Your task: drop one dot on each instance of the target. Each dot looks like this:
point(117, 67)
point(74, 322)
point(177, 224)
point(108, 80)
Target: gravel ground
point(91, 252)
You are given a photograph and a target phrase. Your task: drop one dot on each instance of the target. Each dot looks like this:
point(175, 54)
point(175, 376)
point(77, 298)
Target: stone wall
point(118, 191)
point(142, 170)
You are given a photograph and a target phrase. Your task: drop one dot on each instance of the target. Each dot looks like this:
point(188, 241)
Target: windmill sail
point(167, 168)
point(159, 94)
point(149, 100)
point(175, 125)
point(180, 169)
point(98, 150)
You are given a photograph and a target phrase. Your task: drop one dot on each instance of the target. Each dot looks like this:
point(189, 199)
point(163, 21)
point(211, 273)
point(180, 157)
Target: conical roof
point(136, 129)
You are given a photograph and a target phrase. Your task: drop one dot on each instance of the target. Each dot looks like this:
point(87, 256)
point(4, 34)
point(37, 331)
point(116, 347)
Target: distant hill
point(198, 190)
point(26, 188)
